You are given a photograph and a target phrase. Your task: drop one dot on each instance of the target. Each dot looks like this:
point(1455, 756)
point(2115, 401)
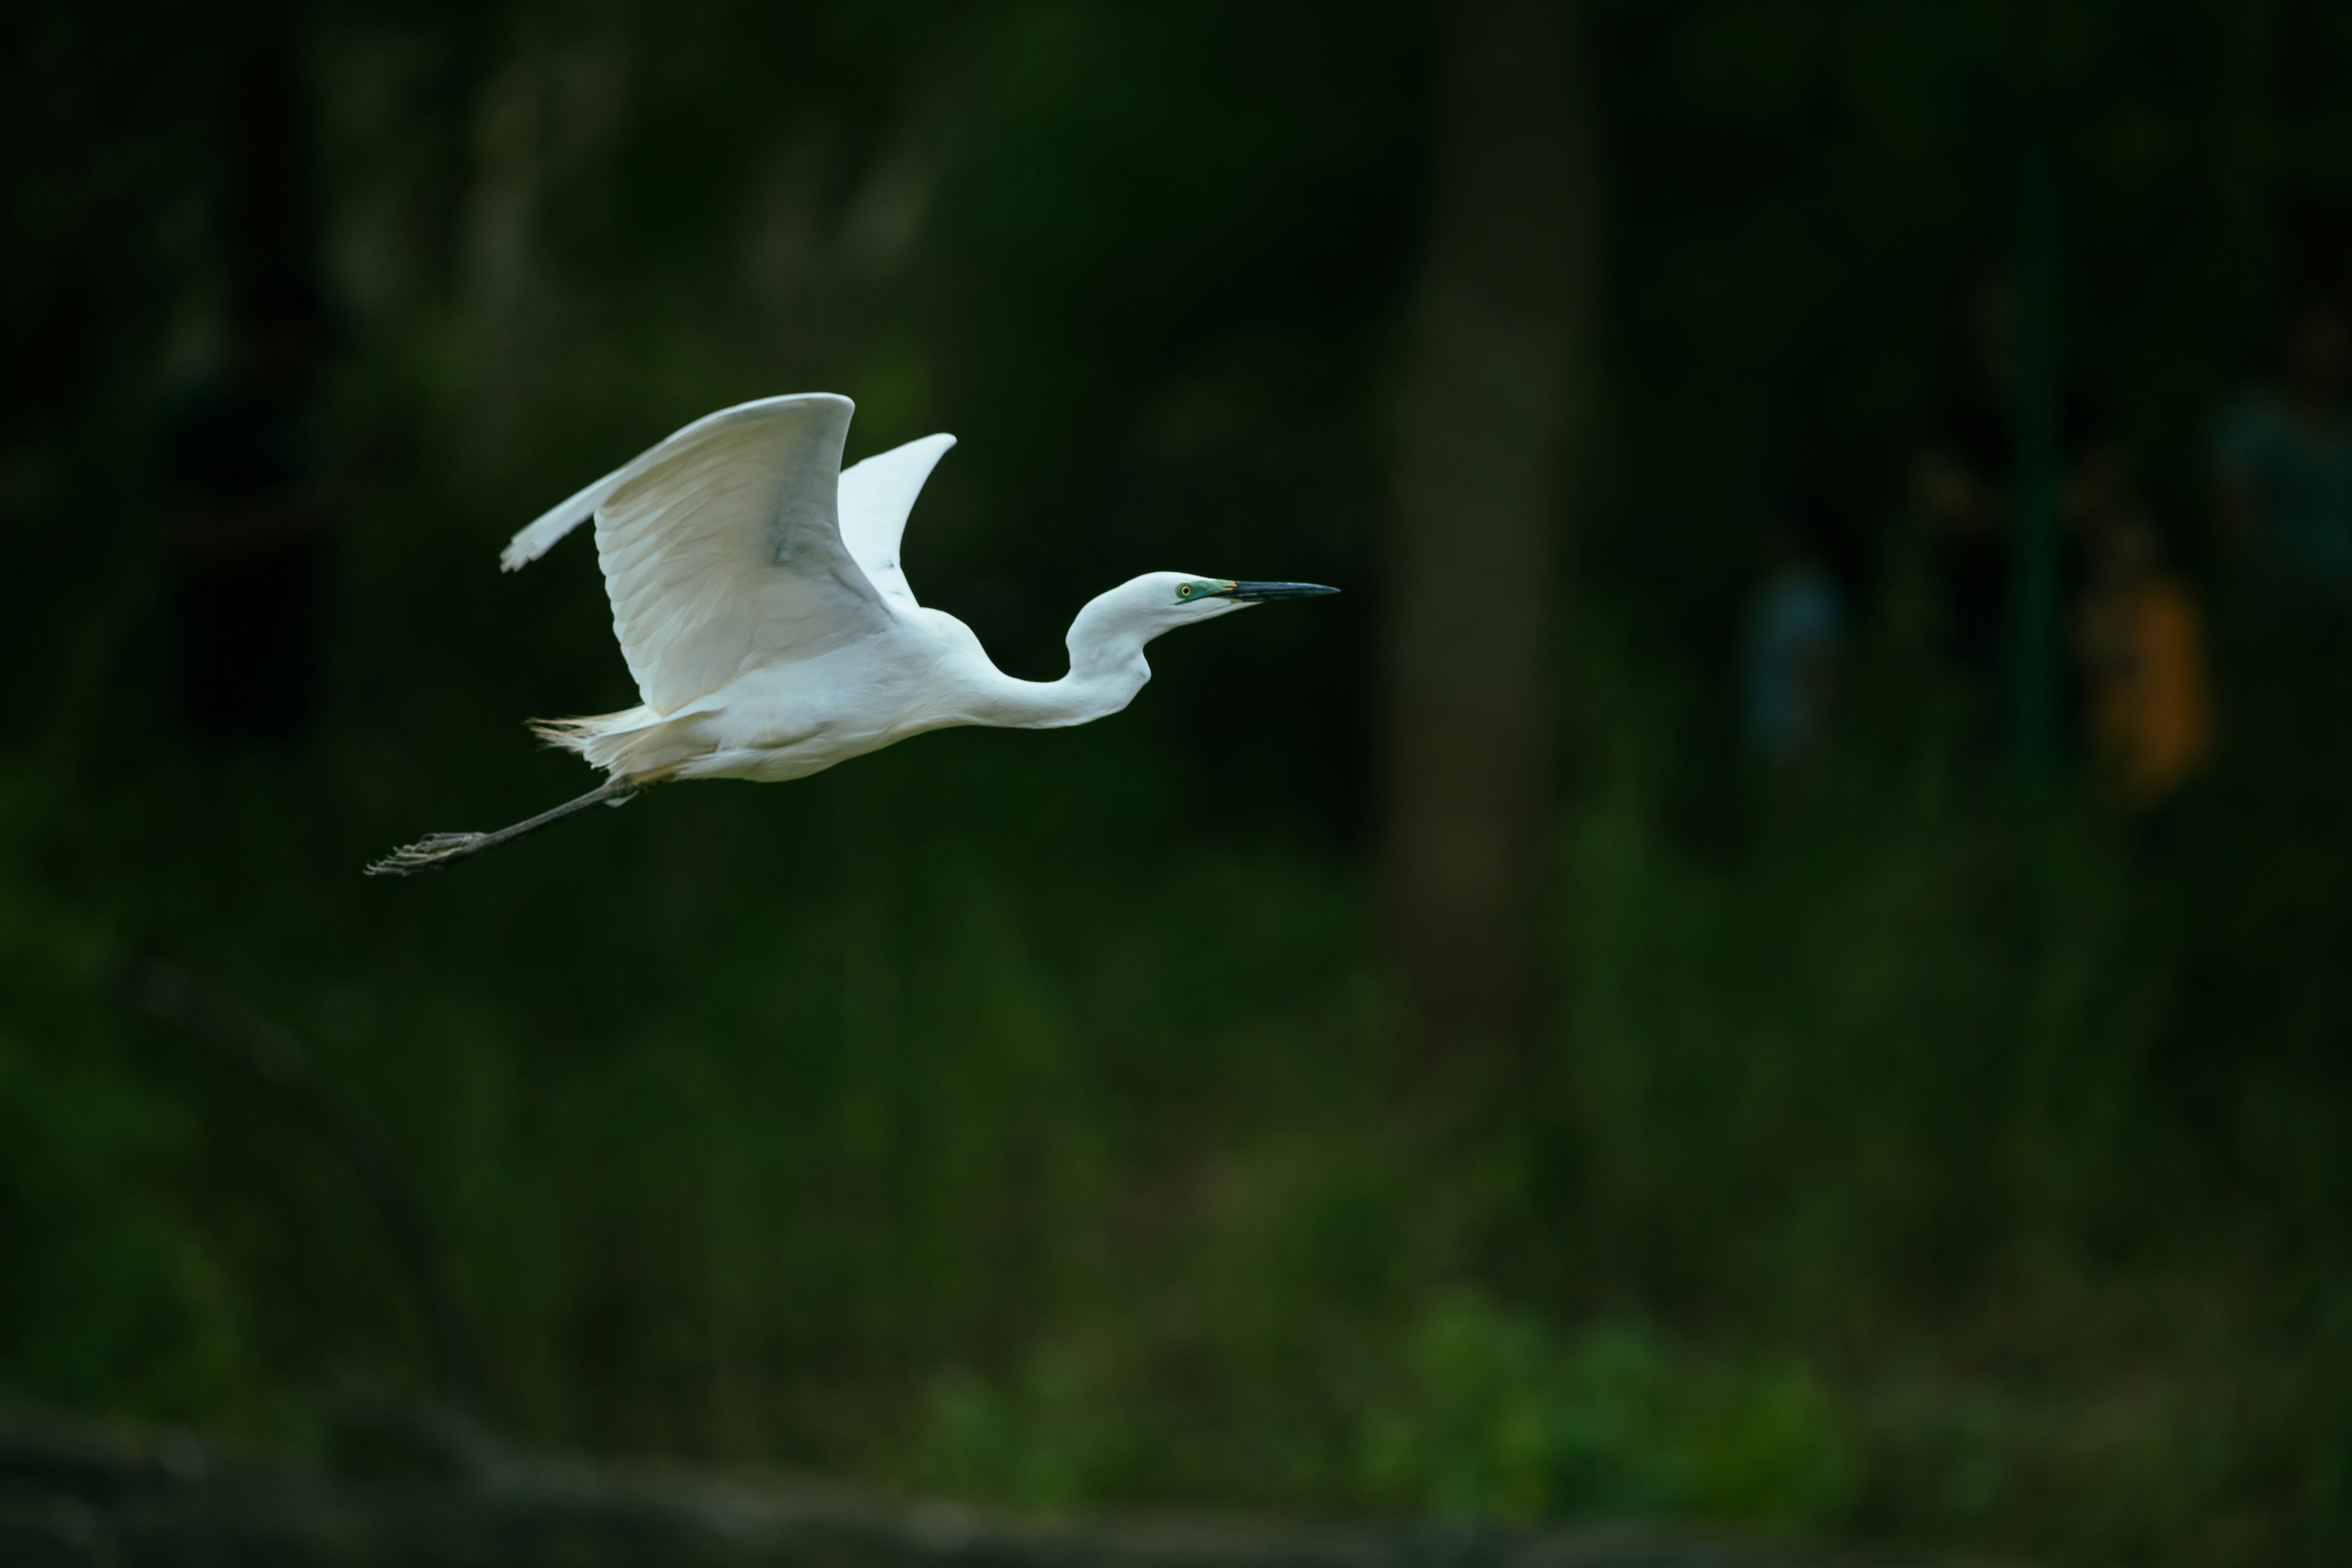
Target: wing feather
point(546, 530)
point(722, 548)
point(876, 496)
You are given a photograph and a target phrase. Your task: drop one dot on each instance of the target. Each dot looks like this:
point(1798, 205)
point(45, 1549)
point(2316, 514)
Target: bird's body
point(780, 722)
point(759, 599)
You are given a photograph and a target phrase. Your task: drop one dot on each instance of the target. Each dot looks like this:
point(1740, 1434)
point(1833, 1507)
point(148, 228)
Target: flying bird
point(760, 602)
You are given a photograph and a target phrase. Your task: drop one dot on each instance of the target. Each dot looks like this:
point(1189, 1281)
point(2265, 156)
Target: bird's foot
point(429, 853)
point(436, 850)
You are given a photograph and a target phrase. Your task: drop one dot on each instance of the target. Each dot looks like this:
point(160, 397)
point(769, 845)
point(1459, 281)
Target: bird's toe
point(428, 852)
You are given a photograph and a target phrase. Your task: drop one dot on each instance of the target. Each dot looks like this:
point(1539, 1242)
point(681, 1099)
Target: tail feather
point(635, 743)
point(572, 734)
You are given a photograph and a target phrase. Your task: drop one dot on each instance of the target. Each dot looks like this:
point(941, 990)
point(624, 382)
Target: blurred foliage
point(1920, 1156)
point(1502, 1420)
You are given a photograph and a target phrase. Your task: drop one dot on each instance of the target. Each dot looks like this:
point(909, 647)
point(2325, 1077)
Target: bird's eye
point(1184, 592)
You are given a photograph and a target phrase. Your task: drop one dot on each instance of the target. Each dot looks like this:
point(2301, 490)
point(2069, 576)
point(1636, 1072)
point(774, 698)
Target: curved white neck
point(1107, 669)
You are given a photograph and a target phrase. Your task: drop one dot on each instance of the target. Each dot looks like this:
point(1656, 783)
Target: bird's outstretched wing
point(547, 530)
point(722, 547)
point(876, 496)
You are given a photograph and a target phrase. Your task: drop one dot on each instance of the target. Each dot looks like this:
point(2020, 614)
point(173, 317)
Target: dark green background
point(1918, 1154)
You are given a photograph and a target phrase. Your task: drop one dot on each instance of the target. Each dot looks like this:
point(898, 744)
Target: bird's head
point(1136, 612)
point(1172, 599)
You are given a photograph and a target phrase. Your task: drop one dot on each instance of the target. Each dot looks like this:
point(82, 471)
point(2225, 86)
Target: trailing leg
point(439, 849)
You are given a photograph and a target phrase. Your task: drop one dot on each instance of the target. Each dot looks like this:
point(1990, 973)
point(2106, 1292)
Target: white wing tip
point(530, 544)
point(544, 533)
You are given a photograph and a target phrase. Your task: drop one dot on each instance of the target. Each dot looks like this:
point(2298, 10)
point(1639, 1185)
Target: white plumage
point(760, 602)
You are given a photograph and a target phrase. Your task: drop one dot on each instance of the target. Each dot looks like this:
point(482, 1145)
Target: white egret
point(760, 603)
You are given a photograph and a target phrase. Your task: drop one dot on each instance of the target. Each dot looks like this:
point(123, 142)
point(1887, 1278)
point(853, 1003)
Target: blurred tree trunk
point(1500, 372)
point(241, 451)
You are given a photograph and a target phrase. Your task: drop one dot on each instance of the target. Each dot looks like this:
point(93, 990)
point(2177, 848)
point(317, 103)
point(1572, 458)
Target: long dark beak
point(1253, 592)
